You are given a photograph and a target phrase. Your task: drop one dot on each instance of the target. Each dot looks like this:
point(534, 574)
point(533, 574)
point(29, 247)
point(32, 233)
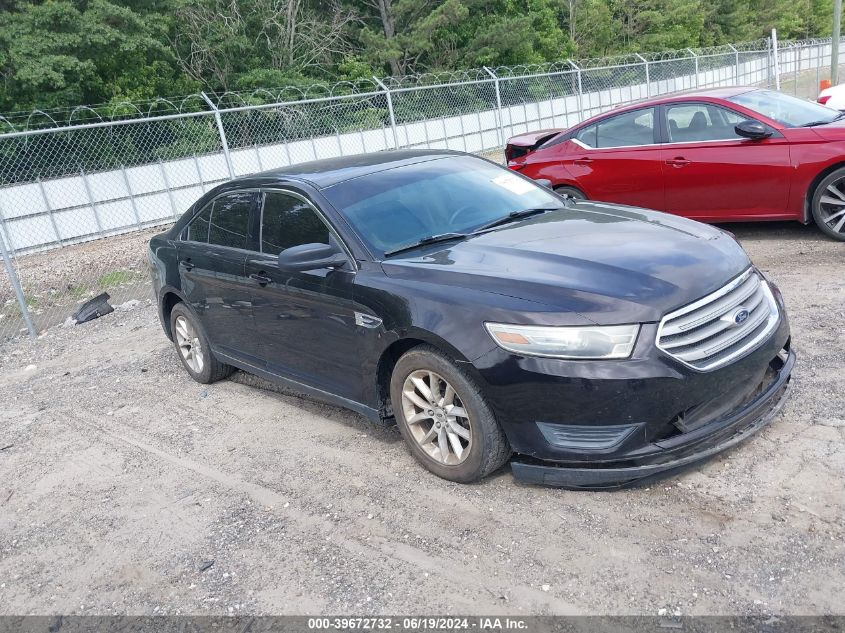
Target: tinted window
point(229, 224)
point(288, 221)
point(701, 122)
point(631, 128)
point(587, 136)
point(198, 229)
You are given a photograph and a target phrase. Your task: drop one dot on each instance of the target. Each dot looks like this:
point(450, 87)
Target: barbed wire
point(47, 118)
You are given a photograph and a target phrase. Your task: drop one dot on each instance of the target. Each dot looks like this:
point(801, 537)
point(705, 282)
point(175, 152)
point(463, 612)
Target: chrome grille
point(722, 326)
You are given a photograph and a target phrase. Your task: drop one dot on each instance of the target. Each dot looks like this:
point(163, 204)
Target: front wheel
point(444, 418)
point(828, 204)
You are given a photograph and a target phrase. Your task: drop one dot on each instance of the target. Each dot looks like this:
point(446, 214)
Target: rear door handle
point(261, 279)
point(678, 161)
point(186, 264)
point(583, 161)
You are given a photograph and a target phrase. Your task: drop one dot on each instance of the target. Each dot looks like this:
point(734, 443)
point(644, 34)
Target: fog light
point(586, 438)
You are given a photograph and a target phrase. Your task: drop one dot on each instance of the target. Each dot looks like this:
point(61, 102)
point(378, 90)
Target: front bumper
point(670, 456)
point(607, 424)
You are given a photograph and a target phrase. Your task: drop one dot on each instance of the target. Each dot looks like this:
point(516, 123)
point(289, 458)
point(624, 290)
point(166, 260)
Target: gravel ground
point(127, 488)
point(56, 282)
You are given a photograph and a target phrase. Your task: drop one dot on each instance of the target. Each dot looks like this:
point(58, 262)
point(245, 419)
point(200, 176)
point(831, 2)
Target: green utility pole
point(834, 44)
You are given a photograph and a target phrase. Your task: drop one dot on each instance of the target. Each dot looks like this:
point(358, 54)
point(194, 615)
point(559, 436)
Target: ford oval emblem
point(740, 316)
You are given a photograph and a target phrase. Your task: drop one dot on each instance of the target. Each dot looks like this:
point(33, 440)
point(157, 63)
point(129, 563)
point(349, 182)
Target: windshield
point(398, 207)
point(789, 111)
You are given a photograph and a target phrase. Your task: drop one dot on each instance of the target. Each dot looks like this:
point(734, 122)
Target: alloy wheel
point(436, 417)
point(189, 344)
point(832, 206)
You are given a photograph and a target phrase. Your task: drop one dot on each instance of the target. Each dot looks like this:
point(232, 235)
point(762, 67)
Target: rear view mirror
point(544, 182)
point(753, 130)
point(311, 257)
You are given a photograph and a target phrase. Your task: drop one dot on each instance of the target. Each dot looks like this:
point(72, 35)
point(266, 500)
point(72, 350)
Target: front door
point(212, 259)
point(304, 320)
point(713, 174)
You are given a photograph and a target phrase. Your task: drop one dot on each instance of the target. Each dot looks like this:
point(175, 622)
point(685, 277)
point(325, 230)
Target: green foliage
point(58, 53)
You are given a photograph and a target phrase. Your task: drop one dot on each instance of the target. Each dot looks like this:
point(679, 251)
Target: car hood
point(606, 263)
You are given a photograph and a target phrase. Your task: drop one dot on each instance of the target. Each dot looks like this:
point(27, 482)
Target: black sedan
point(482, 313)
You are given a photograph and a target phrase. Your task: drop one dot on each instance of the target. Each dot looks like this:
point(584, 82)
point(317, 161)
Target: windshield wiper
point(431, 239)
point(815, 123)
point(513, 216)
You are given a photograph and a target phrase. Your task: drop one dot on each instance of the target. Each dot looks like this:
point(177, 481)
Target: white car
point(833, 97)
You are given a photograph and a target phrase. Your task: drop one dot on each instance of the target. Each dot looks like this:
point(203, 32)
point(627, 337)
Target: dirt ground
point(127, 488)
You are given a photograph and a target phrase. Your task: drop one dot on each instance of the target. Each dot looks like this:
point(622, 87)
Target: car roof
point(686, 95)
point(331, 171)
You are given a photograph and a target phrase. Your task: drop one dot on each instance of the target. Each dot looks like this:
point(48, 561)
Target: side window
point(587, 136)
point(288, 221)
point(693, 122)
point(229, 225)
point(631, 128)
point(198, 228)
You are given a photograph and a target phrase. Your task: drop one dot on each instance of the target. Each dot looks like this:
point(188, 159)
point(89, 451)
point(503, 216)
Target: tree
point(218, 40)
point(56, 53)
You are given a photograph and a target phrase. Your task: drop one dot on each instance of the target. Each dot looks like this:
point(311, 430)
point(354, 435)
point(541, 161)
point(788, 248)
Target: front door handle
point(263, 280)
point(678, 161)
point(583, 161)
point(186, 264)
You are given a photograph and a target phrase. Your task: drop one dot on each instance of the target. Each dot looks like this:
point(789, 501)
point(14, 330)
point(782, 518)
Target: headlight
point(606, 341)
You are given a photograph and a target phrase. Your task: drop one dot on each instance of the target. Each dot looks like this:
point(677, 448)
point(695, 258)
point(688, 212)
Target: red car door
point(713, 174)
point(617, 159)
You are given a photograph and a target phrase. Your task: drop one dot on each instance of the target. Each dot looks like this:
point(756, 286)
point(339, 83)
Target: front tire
point(828, 204)
point(444, 419)
point(193, 348)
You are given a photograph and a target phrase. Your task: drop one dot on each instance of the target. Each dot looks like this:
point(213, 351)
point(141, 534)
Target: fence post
point(222, 132)
point(647, 80)
point(695, 57)
point(169, 188)
point(132, 201)
point(390, 112)
point(500, 131)
point(797, 61)
point(774, 48)
point(580, 90)
point(49, 208)
point(736, 68)
point(94, 206)
point(16, 286)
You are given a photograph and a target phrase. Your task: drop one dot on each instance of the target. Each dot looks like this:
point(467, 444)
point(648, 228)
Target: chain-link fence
point(82, 190)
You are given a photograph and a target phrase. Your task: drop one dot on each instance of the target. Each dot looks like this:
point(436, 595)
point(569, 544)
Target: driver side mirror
point(311, 257)
point(753, 130)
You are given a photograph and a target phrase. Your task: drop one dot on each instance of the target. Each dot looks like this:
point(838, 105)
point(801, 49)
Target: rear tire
point(451, 429)
point(193, 347)
point(828, 204)
point(571, 192)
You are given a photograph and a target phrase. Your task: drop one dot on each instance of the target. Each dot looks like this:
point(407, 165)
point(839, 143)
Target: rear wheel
point(193, 348)
point(828, 204)
point(444, 418)
point(571, 192)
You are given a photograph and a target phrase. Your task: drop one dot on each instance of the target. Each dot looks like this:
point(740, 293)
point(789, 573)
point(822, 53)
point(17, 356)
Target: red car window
point(692, 122)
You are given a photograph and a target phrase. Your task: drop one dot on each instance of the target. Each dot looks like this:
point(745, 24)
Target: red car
point(721, 155)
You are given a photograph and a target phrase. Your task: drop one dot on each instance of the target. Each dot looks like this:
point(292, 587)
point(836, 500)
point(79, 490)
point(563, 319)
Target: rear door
point(617, 159)
point(714, 174)
point(212, 256)
point(304, 321)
